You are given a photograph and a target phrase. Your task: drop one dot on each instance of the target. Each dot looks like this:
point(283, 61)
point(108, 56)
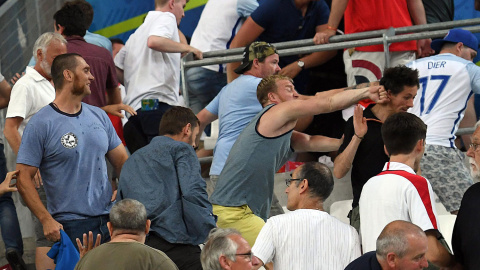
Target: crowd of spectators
point(153, 210)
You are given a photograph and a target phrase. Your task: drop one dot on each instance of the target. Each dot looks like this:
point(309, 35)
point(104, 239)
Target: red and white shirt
point(397, 193)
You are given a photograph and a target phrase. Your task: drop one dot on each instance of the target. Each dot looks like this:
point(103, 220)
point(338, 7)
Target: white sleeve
point(120, 58)
point(474, 72)
point(356, 251)
point(246, 7)
point(20, 101)
point(421, 206)
point(264, 248)
point(1, 77)
point(164, 26)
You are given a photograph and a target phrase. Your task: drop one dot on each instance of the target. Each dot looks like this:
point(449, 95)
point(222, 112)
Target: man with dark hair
point(165, 176)
point(398, 193)
point(362, 147)
point(311, 238)
point(401, 245)
point(128, 227)
point(244, 191)
point(67, 141)
point(447, 81)
point(69, 21)
point(227, 249)
point(149, 67)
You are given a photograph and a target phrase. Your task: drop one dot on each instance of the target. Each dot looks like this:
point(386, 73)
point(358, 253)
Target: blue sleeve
point(322, 12)
point(246, 7)
point(266, 13)
point(213, 105)
point(32, 145)
point(474, 72)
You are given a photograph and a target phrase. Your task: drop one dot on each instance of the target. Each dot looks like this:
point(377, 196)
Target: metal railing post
point(386, 45)
point(186, 58)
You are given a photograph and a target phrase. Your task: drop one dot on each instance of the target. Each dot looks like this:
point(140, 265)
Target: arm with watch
point(308, 61)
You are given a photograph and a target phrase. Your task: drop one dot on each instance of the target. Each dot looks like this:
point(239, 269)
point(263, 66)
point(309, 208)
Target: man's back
point(307, 239)
point(150, 74)
point(235, 106)
point(446, 84)
point(396, 194)
point(102, 68)
point(125, 255)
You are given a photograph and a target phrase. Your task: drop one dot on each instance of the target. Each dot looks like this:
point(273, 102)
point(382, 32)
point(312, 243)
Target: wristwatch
point(301, 64)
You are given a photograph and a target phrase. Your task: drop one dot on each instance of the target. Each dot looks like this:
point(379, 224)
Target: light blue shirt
point(235, 106)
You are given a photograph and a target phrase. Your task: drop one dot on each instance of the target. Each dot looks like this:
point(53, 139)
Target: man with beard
point(165, 176)
point(31, 93)
point(466, 234)
point(68, 141)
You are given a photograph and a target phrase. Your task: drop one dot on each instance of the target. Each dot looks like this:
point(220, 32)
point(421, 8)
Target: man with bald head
point(401, 245)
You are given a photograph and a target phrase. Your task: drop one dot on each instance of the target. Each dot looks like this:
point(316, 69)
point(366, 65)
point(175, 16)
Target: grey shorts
point(444, 168)
point(40, 239)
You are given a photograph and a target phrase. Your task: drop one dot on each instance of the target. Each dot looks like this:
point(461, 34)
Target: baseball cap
point(257, 49)
point(454, 36)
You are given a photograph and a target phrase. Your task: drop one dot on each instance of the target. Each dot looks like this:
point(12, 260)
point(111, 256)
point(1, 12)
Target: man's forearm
point(114, 96)
point(163, 44)
point(343, 162)
point(337, 11)
point(29, 194)
point(344, 99)
point(13, 138)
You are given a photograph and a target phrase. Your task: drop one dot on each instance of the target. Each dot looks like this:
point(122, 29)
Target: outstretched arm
point(163, 44)
point(302, 142)
point(344, 160)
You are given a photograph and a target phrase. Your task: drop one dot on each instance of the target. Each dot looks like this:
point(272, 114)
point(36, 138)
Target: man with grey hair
point(227, 249)
point(401, 245)
point(466, 235)
point(312, 239)
point(128, 227)
point(29, 94)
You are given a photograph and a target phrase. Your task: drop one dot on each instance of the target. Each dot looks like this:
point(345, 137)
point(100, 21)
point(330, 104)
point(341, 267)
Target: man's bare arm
point(336, 14)
point(11, 132)
point(437, 254)
point(51, 228)
point(302, 142)
point(120, 76)
point(117, 156)
point(205, 117)
point(162, 44)
point(5, 91)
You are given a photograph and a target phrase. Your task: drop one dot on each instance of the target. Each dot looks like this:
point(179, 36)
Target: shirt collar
point(397, 166)
point(34, 74)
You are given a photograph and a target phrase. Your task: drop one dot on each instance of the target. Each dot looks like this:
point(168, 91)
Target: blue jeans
point(12, 237)
point(76, 228)
point(203, 86)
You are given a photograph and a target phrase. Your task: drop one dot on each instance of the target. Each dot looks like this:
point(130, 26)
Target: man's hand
point(6, 185)
point(115, 109)
point(378, 94)
point(51, 229)
point(16, 77)
point(113, 182)
point(88, 245)
point(359, 122)
point(291, 70)
point(323, 36)
point(423, 48)
point(197, 53)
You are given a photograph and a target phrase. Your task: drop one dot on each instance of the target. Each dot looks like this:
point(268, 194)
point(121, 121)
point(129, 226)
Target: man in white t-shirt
point(447, 81)
point(398, 193)
point(308, 237)
point(149, 67)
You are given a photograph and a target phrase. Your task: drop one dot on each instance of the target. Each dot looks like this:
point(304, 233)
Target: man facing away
point(165, 176)
point(149, 67)
point(227, 249)
point(245, 188)
point(447, 81)
point(68, 141)
point(400, 245)
point(362, 148)
point(466, 234)
point(128, 226)
point(308, 237)
point(398, 193)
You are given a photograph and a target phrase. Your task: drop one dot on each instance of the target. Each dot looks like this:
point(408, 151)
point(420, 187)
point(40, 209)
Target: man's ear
point(391, 259)
point(59, 29)
point(187, 129)
point(40, 55)
point(419, 145)
point(147, 226)
point(68, 75)
point(386, 152)
point(303, 186)
point(110, 228)
point(224, 262)
point(272, 97)
point(171, 4)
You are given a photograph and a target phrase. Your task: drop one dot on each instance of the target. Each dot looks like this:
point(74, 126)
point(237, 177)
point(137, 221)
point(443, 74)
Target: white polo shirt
point(395, 194)
point(150, 74)
point(307, 239)
point(29, 94)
